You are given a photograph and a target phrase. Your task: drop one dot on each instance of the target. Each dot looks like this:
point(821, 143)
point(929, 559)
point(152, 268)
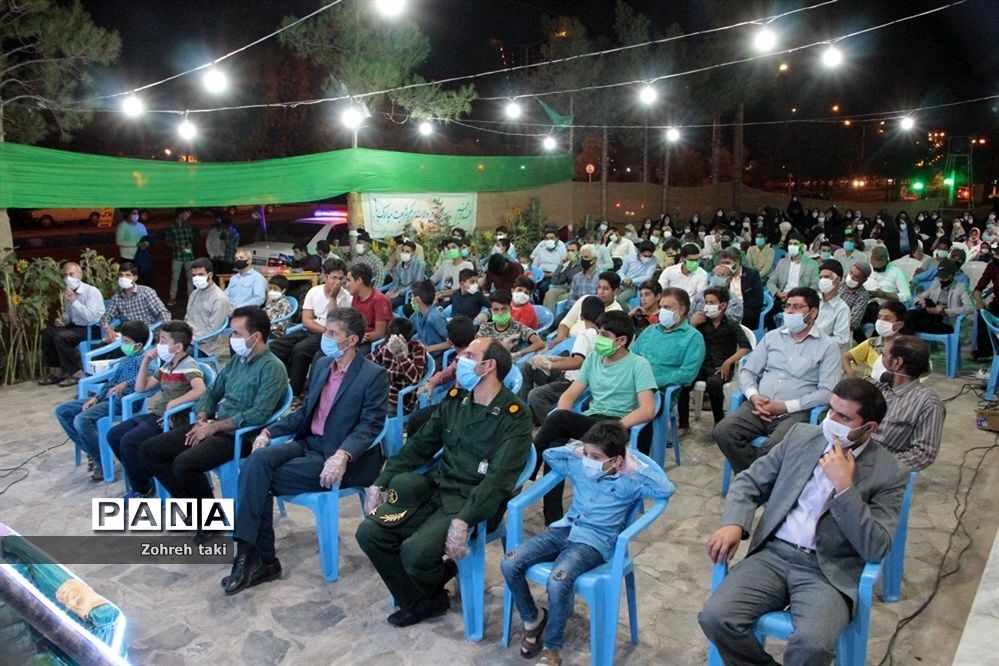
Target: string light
point(215, 80)
point(765, 40)
point(647, 95)
point(549, 143)
point(352, 117)
point(907, 123)
point(186, 130)
point(513, 110)
point(832, 57)
point(425, 128)
point(132, 106)
point(672, 135)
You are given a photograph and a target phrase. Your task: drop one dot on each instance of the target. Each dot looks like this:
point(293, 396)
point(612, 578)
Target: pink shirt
point(326, 399)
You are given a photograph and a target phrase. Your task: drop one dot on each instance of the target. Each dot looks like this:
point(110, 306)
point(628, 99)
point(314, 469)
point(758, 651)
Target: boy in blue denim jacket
point(606, 483)
point(79, 418)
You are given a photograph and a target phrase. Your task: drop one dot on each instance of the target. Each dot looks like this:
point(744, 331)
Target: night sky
point(944, 57)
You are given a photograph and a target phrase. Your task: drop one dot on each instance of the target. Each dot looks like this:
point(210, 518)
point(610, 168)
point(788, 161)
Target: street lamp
point(672, 136)
point(215, 80)
point(549, 143)
point(832, 57)
point(647, 95)
point(187, 130)
point(352, 117)
point(391, 8)
point(513, 110)
point(132, 106)
point(765, 40)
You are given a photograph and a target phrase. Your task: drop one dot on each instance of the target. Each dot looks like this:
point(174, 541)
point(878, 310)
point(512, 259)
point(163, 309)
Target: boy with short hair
point(180, 380)
point(277, 304)
point(468, 300)
point(428, 319)
point(523, 309)
point(517, 338)
point(79, 418)
point(606, 482)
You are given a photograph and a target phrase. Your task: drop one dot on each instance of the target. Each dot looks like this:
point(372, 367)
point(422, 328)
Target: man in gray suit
point(832, 499)
point(796, 269)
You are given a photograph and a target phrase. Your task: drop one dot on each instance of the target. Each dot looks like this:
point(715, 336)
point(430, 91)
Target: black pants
point(419, 417)
point(561, 426)
point(297, 351)
point(181, 468)
point(918, 320)
point(715, 390)
point(59, 347)
point(983, 342)
point(125, 440)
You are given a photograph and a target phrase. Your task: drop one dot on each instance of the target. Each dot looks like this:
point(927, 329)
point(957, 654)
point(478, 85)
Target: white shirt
point(127, 237)
point(582, 345)
point(793, 275)
point(87, 309)
point(892, 281)
point(575, 323)
point(834, 321)
point(316, 300)
point(799, 525)
point(548, 260)
point(673, 276)
point(735, 285)
point(622, 249)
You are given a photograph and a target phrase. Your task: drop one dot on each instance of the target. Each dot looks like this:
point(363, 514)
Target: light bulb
point(390, 8)
point(513, 110)
point(215, 80)
point(187, 130)
point(352, 117)
point(549, 143)
point(426, 129)
point(132, 106)
point(832, 57)
point(647, 95)
point(907, 123)
point(672, 135)
point(765, 40)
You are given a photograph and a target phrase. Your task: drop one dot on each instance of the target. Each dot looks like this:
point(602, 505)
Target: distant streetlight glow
point(426, 129)
point(215, 80)
point(187, 130)
point(847, 123)
point(549, 143)
point(783, 67)
point(647, 95)
point(513, 110)
point(765, 40)
point(351, 117)
point(391, 8)
point(132, 106)
point(672, 135)
point(907, 123)
point(835, 108)
point(832, 57)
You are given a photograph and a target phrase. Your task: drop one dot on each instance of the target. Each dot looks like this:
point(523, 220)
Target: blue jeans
point(571, 561)
point(125, 438)
point(81, 425)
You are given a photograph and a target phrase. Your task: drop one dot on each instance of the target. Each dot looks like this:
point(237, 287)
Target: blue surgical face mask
point(667, 318)
point(467, 378)
point(719, 281)
point(330, 347)
point(795, 322)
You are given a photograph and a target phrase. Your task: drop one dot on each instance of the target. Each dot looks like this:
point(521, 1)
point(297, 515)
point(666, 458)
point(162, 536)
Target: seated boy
point(79, 418)
point(647, 310)
point(404, 358)
point(523, 309)
point(859, 361)
point(277, 304)
point(428, 320)
point(468, 300)
point(516, 337)
point(180, 380)
point(603, 475)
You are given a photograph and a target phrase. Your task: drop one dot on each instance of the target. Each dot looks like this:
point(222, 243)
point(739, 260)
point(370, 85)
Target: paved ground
point(178, 615)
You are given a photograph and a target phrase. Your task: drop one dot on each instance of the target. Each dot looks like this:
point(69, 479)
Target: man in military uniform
point(485, 433)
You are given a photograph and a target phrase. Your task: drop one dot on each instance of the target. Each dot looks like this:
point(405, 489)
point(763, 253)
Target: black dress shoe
point(250, 570)
point(422, 610)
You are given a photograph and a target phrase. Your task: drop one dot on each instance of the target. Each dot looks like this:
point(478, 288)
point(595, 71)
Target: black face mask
point(586, 263)
point(879, 270)
point(241, 264)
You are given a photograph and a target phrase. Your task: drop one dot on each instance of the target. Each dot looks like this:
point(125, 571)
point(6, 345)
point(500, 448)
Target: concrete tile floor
point(178, 614)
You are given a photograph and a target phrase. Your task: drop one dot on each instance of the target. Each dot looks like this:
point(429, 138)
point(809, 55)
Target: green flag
point(557, 118)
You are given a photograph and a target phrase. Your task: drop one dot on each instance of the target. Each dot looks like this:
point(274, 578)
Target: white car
point(328, 225)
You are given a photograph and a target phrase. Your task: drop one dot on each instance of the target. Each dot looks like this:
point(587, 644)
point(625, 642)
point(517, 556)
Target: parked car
point(328, 225)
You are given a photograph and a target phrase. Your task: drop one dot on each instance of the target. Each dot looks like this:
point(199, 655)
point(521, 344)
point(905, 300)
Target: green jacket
point(484, 451)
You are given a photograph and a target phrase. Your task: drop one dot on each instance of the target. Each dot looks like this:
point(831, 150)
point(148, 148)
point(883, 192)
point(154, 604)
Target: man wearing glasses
point(793, 369)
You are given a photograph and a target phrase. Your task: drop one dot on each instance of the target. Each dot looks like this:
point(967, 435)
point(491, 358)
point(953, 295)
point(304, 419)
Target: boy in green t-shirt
point(621, 387)
point(180, 380)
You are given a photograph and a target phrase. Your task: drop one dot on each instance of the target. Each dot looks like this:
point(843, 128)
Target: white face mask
point(273, 295)
point(200, 281)
point(520, 298)
point(825, 285)
point(473, 287)
point(793, 250)
point(833, 430)
point(593, 468)
point(404, 257)
point(885, 329)
point(851, 283)
point(163, 351)
point(359, 248)
point(126, 283)
point(711, 310)
point(239, 346)
point(551, 244)
point(878, 369)
point(72, 282)
point(613, 238)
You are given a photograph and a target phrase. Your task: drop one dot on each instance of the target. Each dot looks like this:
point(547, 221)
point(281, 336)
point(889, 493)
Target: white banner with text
point(387, 215)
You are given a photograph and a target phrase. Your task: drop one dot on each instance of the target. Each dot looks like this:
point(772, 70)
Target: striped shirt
point(913, 425)
point(175, 380)
point(377, 267)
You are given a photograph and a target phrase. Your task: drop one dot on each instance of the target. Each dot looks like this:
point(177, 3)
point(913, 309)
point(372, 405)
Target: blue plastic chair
point(894, 564)
point(292, 329)
point(563, 347)
point(951, 343)
point(851, 647)
point(768, 305)
point(737, 399)
point(325, 507)
point(600, 588)
point(213, 359)
point(779, 253)
point(666, 427)
point(472, 567)
point(395, 423)
point(514, 380)
point(992, 322)
point(88, 357)
point(561, 306)
point(634, 430)
point(545, 317)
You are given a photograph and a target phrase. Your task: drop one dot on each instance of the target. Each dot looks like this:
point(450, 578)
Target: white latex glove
point(373, 496)
point(456, 544)
point(541, 361)
point(333, 470)
point(262, 440)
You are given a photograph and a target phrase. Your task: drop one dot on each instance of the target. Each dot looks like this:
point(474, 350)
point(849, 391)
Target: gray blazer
point(855, 528)
point(809, 275)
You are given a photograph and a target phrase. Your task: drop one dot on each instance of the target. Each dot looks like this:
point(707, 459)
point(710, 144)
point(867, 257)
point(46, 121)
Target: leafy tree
point(46, 52)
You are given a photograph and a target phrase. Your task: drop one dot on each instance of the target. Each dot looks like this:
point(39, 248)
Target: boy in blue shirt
point(606, 483)
point(79, 418)
point(468, 300)
point(428, 319)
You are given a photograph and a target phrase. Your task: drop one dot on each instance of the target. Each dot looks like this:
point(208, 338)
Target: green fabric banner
point(32, 177)
point(558, 119)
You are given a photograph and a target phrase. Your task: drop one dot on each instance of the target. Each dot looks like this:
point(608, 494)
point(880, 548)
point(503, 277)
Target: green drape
point(32, 177)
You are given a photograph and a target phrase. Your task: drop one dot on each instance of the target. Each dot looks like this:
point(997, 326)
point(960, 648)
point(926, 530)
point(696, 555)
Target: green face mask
point(603, 345)
point(501, 319)
point(691, 265)
point(453, 253)
point(415, 304)
point(129, 349)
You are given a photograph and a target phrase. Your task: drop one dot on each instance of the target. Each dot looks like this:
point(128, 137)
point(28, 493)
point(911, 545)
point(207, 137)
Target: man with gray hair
point(83, 306)
point(856, 296)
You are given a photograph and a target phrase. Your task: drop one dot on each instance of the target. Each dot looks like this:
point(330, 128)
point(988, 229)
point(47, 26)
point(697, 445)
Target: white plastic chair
point(697, 393)
point(907, 265)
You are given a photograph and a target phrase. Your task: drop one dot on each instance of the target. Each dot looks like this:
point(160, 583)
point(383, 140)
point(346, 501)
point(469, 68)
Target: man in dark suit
point(750, 286)
point(334, 431)
point(833, 498)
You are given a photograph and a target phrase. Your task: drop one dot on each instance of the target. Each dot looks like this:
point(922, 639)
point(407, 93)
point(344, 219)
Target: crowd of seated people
point(642, 309)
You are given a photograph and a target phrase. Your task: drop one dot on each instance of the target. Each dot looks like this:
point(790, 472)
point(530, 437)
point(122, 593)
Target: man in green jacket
point(484, 433)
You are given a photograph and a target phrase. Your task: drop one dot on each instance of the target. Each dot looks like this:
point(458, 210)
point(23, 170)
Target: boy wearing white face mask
point(860, 360)
point(521, 307)
point(207, 307)
point(606, 482)
point(277, 304)
point(179, 379)
point(834, 313)
point(132, 302)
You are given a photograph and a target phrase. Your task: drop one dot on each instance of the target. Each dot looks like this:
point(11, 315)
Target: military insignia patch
point(393, 497)
point(393, 517)
point(514, 409)
point(453, 392)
